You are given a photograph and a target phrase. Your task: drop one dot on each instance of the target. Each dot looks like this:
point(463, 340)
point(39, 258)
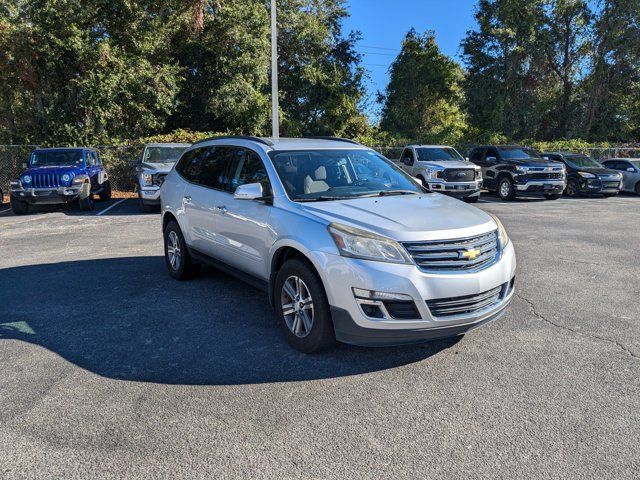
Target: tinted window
point(56, 158)
point(475, 155)
point(213, 165)
point(188, 166)
point(518, 153)
point(583, 161)
point(167, 154)
point(246, 167)
point(438, 154)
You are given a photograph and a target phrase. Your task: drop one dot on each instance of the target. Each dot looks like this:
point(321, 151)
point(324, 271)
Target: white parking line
point(102, 212)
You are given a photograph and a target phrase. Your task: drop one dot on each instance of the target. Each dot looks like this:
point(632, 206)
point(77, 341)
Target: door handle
point(222, 209)
point(187, 199)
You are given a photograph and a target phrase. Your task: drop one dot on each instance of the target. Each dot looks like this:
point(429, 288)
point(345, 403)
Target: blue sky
point(384, 23)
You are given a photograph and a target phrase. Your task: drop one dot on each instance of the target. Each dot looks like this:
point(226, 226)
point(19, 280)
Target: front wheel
point(638, 188)
point(105, 194)
point(573, 188)
point(506, 190)
point(302, 308)
point(552, 196)
point(86, 203)
point(19, 207)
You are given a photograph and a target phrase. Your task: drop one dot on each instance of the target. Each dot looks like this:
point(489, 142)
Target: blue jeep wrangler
point(60, 175)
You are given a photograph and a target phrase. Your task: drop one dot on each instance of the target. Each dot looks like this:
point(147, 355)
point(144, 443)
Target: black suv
point(514, 171)
point(586, 176)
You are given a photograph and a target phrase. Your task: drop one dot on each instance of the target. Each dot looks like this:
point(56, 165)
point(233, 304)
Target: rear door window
point(246, 167)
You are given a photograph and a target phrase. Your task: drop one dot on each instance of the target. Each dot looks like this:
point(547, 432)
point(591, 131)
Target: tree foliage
point(422, 100)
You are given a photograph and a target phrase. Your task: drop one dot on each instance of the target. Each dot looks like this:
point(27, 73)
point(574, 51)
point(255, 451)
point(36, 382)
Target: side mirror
point(248, 191)
point(467, 159)
point(25, 165)
point(406, 161)
point(630, 169)
point(491, 159)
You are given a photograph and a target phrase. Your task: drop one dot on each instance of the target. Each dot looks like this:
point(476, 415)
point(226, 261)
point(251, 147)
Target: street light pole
point(275, 132)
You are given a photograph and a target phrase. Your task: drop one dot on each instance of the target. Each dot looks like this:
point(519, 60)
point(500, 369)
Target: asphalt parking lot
point(112, 369)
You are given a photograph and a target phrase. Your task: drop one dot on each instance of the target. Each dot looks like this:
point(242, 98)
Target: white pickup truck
point(442, 169)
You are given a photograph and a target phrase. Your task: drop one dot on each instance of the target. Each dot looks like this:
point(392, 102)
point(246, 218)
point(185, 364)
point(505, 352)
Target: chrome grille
point(449, 255)
point(46, 180)
point(544, 175)
point(459, 174)
point(443, 307)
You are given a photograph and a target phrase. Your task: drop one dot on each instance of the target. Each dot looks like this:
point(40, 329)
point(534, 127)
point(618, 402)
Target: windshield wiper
point(323, 198)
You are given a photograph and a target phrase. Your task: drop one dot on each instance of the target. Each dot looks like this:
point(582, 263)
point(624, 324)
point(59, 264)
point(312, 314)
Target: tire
point(573, 188)
point(19, 207)
point(179, 263)
point(105, 194)
point(1, 198)
point(505, 189)
point(296, 281)
point(473, 199)
point(637, 189)
point(552, 196)
point(609, 195)
point(86, 204)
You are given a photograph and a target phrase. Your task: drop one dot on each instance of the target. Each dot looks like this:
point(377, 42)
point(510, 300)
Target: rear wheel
point(176, 256)
point(86, 203)
point(638, 188)
point(505, 189)
point(105, 194)
point(302, 308)
point(552, 196)
point(19, 207)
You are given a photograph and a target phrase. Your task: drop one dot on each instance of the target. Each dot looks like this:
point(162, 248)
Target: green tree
point(422, 100)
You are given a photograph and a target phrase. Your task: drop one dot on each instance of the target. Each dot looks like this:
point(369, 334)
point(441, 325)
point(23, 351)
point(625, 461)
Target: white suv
point(347, 245)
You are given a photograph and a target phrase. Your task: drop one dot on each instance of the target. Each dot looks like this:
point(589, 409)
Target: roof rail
point(261, 140)
point(335, 139)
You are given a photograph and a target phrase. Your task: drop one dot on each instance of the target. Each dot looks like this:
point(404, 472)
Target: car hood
point(598, 170)
point(449, 164)
point(164, 167)
point(528, 162)
point(431, 216)
point(72, 170)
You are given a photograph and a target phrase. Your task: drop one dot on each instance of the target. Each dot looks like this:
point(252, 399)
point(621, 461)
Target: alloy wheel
point(297, 306)
point(173, 250)
point(505, 189)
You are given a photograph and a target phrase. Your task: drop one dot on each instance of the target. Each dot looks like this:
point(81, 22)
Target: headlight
point(65, 178)
point(503, 238)
point(586, 175)
point(521, 169)
point(147, 179)
point(78, 179)
point(26, 179)
point(356, 243)
point(478, 174)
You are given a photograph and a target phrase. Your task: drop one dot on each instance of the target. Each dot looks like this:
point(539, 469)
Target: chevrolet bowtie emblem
point(470, 254)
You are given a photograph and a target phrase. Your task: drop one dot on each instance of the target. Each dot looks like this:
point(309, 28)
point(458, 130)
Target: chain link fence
point(120, 160)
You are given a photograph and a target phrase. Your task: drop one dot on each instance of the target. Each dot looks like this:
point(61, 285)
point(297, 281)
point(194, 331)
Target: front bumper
point(150, 195)
point(340, 275)
point(540, 187)
point(458, 189)
point(50, 196)
point(592, 186)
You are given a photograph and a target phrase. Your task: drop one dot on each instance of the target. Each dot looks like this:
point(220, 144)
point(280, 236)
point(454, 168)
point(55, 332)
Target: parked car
point(586, 176)
point(630, 169)
point(60, 175)
point(442, 169)
point(155, 162)
point(514, 171)
point(348, 246)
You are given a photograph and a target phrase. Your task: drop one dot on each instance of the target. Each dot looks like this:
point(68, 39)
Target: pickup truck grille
point(46, 180)
point(459, 255)
point(544, 175)
point(443, 307)
point(459, 175)
point(158, 178)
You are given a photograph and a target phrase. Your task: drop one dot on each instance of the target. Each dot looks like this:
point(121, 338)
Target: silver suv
point(347, 245)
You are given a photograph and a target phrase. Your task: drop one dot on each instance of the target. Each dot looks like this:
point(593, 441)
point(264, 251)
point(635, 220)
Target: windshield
point(163, 154)
point(315, 175)
point(582, 161)
point(519, 153)
point(438, 154)
point(56, 158)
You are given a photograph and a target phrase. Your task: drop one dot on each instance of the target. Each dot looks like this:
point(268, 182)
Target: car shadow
point(125, 318)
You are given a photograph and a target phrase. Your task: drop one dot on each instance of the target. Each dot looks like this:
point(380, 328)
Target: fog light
point(375, 295)
point(372, 311)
